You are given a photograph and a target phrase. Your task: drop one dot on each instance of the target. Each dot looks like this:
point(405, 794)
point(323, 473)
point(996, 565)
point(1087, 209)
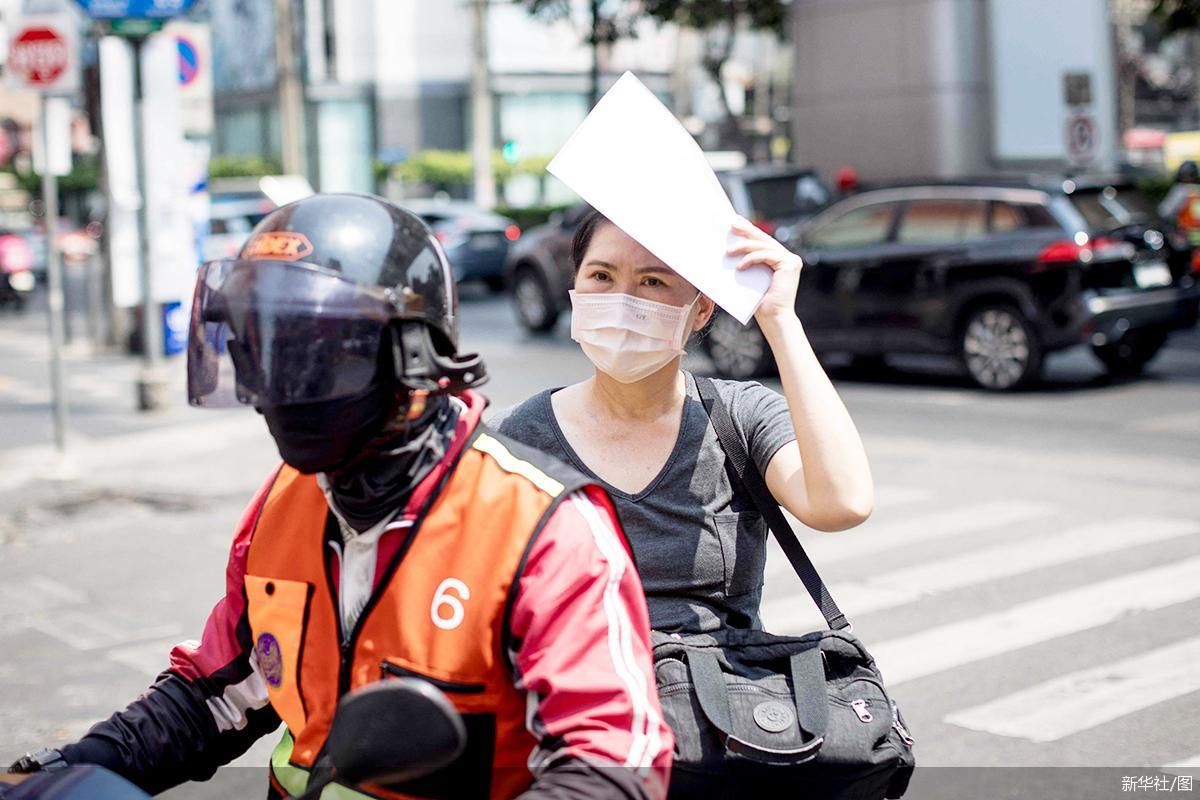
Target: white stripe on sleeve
point(645, 730)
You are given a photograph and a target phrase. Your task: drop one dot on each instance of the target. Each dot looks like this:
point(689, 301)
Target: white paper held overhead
point(633, 161)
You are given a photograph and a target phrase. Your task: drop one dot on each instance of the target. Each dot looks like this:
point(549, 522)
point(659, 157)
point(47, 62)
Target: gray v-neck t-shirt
point(699, 542)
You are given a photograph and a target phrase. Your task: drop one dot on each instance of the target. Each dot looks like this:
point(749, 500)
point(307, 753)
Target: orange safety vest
point(1188, 218)
point(440, 611)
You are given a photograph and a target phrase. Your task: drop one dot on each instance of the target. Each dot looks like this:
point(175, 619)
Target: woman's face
point(615, 262)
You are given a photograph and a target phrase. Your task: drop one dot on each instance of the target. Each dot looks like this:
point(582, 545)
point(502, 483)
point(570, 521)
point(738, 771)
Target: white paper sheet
point(633, 161)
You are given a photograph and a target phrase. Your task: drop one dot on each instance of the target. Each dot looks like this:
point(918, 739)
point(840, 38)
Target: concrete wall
point(892, 87)
point(1033, 44)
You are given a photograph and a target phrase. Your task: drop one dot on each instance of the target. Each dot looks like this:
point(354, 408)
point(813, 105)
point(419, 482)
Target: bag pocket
point(860, 720)
point(743, 538)
point(277, 610)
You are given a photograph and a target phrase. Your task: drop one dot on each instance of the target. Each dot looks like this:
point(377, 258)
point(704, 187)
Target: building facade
point(948, 87)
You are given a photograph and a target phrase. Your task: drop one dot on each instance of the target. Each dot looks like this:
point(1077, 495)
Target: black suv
point(997, 272)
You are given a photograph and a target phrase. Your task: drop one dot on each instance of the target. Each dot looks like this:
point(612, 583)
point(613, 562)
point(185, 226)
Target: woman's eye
point(600, 276)
point(655, 282)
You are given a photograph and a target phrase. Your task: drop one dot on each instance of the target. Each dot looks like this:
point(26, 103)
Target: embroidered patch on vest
point(270, 659)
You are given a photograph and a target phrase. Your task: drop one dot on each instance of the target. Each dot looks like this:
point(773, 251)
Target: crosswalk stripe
point(953, 645)
point(1084, 699)
point(832, 548)
point(895, 588)
point(149, 658)
point(85, 630)
point(34, 594)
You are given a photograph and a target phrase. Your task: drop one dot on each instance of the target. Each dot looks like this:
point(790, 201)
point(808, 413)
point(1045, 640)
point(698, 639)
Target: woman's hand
point(779, 303)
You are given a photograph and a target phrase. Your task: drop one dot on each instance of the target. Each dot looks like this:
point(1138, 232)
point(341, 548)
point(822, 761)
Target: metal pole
point(95, 302)
point(152, 379)
point(594, 74)
point(58, 383)
point(291, 90)
point(481, 109)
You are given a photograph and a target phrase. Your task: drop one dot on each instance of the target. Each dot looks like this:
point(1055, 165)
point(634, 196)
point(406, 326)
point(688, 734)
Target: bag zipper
point(396, 671)
point(899, 726)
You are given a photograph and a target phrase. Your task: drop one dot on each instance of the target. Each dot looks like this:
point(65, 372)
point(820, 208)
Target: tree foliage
point(1177, 15)
point(620, 18)
point(719, 19)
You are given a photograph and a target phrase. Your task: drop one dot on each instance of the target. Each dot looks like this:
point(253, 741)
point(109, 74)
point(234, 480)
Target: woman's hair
point(583, 236)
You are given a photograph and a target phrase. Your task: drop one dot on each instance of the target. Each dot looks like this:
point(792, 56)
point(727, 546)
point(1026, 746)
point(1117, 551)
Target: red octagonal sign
point(39, 56)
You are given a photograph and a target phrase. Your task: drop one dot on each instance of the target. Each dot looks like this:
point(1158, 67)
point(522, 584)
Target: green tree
point(1177, 15)
point(718, 19)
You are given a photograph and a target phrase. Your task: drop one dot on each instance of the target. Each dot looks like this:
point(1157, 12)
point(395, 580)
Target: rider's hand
point(759, 247)
point(45, 759)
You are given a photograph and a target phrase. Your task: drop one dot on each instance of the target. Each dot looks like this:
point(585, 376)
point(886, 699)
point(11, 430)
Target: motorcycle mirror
point(389, 732)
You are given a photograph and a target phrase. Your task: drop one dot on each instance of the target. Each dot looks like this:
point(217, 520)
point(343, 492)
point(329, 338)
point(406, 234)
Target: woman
point(638, 427)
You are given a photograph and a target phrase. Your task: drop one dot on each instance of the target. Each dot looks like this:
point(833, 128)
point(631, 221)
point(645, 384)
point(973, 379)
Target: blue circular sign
point(189, 61)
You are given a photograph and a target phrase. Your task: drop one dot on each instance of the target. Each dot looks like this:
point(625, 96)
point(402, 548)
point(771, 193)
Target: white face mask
point(626, 337)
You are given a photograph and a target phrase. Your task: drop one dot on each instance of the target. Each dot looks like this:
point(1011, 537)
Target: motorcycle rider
point(399, 537)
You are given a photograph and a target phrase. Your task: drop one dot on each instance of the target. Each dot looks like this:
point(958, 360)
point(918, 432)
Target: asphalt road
point(1029, 582)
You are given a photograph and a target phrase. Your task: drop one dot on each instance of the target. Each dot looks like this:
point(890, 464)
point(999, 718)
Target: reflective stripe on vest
point(294, 780)
point(440, 614)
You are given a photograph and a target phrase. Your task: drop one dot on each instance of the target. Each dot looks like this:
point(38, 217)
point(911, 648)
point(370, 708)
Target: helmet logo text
point(277, 245)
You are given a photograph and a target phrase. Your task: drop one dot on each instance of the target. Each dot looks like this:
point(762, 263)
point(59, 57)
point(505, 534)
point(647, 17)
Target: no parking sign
point(189, 61)
point(1082, 139)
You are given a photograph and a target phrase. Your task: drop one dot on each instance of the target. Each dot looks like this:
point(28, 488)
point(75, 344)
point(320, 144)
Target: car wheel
point(737, 351)
point(1132, 353)
point(999, 349)
point(531, 298)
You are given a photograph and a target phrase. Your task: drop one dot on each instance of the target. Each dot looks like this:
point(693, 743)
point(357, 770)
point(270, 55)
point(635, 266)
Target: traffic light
point(510, 151)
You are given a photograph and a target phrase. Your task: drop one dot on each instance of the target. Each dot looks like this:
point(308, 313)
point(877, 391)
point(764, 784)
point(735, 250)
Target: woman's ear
point(706, 308)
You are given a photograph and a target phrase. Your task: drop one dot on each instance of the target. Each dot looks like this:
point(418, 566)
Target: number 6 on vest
point(442, 597)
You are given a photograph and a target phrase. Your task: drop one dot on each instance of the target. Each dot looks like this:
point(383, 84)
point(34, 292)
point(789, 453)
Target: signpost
point(1081, 132)
point(136, 20)
point(43, 57)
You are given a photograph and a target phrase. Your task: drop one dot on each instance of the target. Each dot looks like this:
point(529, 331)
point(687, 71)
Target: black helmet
point(325, 292)
point(1188, 173)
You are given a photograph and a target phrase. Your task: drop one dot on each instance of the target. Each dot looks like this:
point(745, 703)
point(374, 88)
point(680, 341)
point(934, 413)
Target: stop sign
point(39, 57)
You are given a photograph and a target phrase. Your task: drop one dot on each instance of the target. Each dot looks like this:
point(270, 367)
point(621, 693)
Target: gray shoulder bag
point(754, 712)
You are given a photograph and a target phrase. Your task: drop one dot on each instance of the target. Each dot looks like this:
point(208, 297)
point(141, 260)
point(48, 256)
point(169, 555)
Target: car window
point(785, 195)
point(1008, 217)
point(940, 221)
point(1113, 207)
point(217, 226)
point(861, 226)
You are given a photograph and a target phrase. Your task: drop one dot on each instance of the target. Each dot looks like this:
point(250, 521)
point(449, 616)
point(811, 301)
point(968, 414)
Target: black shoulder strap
point(748, 474)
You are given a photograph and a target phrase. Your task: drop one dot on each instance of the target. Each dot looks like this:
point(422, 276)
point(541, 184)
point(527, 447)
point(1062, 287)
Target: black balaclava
point(372, 453)
point(369, 488)
point(318, 437)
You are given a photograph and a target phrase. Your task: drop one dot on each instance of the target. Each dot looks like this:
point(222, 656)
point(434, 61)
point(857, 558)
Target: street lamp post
point(152, 379)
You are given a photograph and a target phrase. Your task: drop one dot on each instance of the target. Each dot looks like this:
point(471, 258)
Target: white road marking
point(1191, 762)
point(85, 630)
point(1084, 699)
point(898, 587)
point(149, 658)
point(38, 593)
point(895, 588)
point(889, 496)
point(956, 644)
point(831, 548)
point(1185, 423)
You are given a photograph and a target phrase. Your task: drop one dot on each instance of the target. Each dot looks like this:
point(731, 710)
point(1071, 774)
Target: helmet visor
point(268, 333)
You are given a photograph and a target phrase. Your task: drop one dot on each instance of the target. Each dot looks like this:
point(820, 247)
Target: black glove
point(44, 760)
